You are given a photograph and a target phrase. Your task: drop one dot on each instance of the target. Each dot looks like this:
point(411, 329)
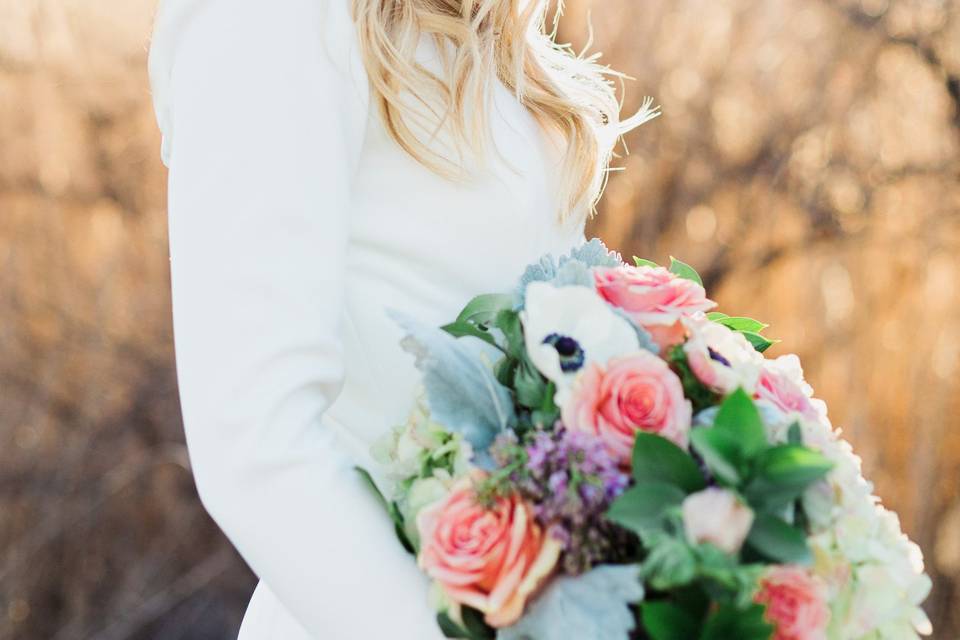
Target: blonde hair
point(569, 95)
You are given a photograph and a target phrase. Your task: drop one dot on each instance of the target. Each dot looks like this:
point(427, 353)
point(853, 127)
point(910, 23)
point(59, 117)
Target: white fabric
point(294, 222)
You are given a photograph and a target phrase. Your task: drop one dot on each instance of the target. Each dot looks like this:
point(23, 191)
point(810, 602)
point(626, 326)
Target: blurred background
point(806, 163)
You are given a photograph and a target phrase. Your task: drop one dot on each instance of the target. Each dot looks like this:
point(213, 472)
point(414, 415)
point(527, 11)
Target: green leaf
point(778, 541)
point(400, 529)
point(693, 390)
point(794, 434)
point(729, 622)
point(720, 452)
point(742, 324)
point(670, 563)
point(484, 308)
point(449, 628)
point(508, 321)
point(668, 621)
point(762, 496)
point(391, 508)
point(374, 489)
point(716, 316)
point(460, 329)
point(529, 385)
point(739, 417)
point(643, 507)
point(505, 370)
point(548, 403)
point(725, 577)
point(714, 562)
point(759, 342)
point(642, 262)
point(475, 624)
point(656, 459)
point(692, 599)
point(473, 628)
point(793, 464)
point(547, 413)
point(541, 419)
point(782, 474)
point(684, 270)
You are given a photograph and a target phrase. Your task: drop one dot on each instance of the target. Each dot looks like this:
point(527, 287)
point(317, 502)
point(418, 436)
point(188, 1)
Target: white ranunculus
point(717, 516)
point(567, 327)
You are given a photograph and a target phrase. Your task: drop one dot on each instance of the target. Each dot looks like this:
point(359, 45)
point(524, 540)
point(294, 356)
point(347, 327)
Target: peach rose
point(655, 298)
point(634, 393)
point(491, 559)
point(796, 603)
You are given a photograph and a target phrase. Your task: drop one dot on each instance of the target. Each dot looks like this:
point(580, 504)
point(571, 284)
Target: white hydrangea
point(422, 460)
point(420, 444)
point(873, 572)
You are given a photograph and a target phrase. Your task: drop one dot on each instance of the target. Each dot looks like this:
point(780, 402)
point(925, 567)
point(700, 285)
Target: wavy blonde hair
point(570, 96)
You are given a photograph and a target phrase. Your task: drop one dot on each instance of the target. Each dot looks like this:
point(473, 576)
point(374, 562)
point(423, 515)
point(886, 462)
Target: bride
point(330, 160)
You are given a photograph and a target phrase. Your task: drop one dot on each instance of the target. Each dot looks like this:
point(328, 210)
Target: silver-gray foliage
point(570, 269)
point(591, 606)
point(462, 392)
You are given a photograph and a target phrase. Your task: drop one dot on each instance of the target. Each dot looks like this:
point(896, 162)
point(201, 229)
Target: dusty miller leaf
point(591, 606)
point(462, 392)
point(573, 268)
point(594, 254)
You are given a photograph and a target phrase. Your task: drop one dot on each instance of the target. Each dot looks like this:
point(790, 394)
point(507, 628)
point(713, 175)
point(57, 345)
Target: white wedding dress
point(295, 221)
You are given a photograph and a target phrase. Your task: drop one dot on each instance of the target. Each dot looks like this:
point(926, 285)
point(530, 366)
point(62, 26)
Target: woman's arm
point(265, 134)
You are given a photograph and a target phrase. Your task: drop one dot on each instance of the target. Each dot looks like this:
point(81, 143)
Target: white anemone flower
point(567, 327)
point(721, 358)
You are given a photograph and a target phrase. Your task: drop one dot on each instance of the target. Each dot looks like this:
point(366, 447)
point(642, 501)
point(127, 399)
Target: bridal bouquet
point(600, 455)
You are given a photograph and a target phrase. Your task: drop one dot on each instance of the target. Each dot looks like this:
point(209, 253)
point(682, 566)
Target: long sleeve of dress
point(266, 129)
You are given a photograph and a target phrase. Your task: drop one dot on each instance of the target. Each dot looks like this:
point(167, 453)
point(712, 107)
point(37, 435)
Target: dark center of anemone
point(569, 350)
point(719, 358)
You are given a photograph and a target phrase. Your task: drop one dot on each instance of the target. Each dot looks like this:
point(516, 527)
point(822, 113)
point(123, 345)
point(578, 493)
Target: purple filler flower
point(571, 479)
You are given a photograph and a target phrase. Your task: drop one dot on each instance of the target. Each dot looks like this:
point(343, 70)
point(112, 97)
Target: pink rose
point(781, 384)
point(634, 393)
point(655, 298)
point(796, 603)
point(492, 559)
